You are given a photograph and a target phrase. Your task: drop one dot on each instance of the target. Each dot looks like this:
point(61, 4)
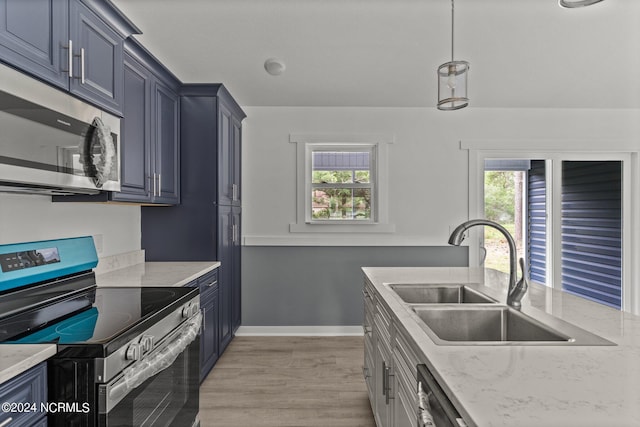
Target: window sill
point(341, 228)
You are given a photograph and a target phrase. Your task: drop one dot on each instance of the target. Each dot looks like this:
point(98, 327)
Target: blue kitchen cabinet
point(30, 387)
point(135, 145)
point(34, 38)
point(206, 224)
point(149, 146)
point(98, 75)
point(209, 336)
point(165, 150)
point(76, 45)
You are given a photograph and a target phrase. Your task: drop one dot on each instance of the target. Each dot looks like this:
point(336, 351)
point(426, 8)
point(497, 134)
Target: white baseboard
point(327, 331)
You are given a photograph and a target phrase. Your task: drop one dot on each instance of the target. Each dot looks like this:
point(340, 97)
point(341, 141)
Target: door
point(98, 53)
point(236, 139)
point(34, 37)
point(209, 336)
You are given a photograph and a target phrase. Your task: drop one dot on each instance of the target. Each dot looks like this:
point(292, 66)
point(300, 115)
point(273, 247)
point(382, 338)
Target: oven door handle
point(157, 361)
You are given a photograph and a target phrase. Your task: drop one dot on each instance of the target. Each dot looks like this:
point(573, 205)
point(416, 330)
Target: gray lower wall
point(322, 286)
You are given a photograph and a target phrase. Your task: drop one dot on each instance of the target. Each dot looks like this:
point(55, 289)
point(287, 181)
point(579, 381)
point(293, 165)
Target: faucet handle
point(520, 289)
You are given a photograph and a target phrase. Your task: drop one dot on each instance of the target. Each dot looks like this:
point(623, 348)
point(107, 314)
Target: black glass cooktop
point(116, 316)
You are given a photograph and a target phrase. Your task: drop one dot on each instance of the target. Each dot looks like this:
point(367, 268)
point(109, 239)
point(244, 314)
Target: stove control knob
point(133, 352)
point(186, 311)
point(146, 344)
point(189, 310)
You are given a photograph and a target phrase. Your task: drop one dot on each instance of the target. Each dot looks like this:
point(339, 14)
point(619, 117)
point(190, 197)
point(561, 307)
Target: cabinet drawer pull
point(159, 184)
point(215, 282)
point(6, 422)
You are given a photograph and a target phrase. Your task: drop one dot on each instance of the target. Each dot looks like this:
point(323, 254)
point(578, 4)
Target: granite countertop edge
point(18, 358)
point(170, 273)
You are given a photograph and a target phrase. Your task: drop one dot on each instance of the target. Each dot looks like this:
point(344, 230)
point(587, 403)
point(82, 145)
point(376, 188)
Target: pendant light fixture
point(452, 80)
point(570, 4)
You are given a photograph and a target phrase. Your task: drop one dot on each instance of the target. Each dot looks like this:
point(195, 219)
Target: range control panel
point(20, 260)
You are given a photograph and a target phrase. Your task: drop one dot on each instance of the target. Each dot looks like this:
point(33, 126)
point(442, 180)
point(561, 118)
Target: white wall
point(428, 172)
point(25, 218)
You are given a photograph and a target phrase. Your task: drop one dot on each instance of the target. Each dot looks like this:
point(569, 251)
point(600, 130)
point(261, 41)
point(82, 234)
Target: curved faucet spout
point(516, 290)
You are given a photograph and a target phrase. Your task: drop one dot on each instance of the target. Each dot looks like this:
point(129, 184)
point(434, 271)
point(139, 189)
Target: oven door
point(161, 389)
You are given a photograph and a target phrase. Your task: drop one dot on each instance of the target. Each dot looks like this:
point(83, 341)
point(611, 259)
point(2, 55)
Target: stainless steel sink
point(439, 294)
point(497, 325)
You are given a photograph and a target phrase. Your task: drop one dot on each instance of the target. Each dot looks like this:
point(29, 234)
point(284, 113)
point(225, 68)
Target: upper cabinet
point(229, 138)
point(73, 44)
point(149, 131)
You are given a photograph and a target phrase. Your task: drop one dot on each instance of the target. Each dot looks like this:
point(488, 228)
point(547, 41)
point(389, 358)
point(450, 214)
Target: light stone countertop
point(156, 274)
point(18, 358)
point(517, 385)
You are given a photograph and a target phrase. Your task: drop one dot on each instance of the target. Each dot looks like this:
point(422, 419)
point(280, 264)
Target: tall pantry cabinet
point(205, 226)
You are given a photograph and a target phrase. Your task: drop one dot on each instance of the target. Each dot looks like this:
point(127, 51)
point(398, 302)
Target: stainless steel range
point(130, 356)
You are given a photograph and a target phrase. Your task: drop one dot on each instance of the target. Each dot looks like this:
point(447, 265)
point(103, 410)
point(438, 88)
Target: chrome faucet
point(516, 290)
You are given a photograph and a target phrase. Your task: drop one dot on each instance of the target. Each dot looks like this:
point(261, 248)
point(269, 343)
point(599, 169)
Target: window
point(342, 184)
point(579, 227)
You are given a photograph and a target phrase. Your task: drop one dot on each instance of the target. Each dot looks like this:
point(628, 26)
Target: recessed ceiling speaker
point(274, 66)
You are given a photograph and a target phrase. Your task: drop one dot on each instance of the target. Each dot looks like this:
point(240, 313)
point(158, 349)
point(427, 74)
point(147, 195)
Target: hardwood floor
point(287, 382)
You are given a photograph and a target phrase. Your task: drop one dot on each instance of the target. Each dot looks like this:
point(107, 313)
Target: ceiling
point(384, 53)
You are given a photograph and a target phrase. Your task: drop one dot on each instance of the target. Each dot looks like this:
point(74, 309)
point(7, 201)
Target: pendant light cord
point(452, 24)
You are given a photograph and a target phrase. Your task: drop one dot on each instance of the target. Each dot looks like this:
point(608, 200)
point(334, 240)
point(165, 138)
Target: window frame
point(305, 145)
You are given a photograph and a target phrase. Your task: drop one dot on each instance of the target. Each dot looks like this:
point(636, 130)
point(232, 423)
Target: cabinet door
point(236, 174)
point(34, 36)
point(166, 146)
point(209, 346)
point(236, 249)
point(225, 254)
point(98, 50)
point(225, 156)
point(383, 378)
point(135, 175)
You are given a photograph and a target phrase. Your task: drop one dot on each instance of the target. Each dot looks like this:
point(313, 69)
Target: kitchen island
point(526, 385)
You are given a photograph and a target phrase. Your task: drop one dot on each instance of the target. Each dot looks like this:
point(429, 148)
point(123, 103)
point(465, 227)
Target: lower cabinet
point(389, 366)
point(30, 388)
point(210, 349)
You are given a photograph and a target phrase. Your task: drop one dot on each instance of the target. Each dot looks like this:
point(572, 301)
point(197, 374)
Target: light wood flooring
point(287, 382)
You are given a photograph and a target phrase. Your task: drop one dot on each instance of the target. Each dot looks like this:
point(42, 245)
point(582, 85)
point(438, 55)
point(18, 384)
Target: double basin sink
point(458, 314)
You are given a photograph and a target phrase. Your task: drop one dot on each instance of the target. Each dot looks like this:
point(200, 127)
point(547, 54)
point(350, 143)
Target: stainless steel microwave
point(53, 143)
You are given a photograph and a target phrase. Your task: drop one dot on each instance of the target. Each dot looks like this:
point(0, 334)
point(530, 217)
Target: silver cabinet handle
point(70, 62)
point(368, 330)
point(155, 189)
point(388, 392)
point(159, 184)
point(365, 373)
point(82, 65)
point(234, 192)
point(6, 422)
point(215, 282)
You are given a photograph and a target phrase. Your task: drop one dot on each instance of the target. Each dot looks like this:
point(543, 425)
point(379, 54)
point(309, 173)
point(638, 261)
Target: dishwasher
point(434, 407)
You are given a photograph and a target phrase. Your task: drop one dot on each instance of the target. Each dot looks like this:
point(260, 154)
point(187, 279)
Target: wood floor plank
point(287, 382)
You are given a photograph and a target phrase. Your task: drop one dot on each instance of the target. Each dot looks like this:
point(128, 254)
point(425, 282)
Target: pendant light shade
point(452, 85)
point(452, 80)
point(569, 4)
